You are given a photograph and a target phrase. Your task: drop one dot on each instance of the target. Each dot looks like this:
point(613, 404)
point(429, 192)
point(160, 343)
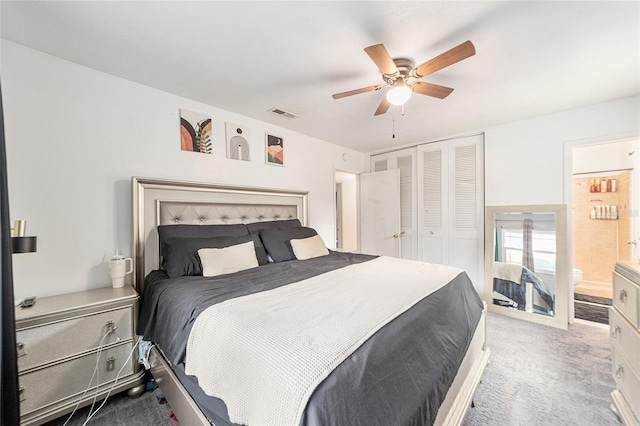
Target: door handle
point(398, 235)
point(632, 242)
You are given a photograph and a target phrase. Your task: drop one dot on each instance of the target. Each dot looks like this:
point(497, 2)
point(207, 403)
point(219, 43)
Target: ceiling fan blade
point(450, 57)
point(358, 91)
point(431, 89)
point(383, 107)
point(379, 55)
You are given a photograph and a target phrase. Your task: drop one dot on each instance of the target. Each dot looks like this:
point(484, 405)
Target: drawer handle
point(619, 372)
point(21, 396)
point(614, 331)
point(20, 349)
point(623, 295)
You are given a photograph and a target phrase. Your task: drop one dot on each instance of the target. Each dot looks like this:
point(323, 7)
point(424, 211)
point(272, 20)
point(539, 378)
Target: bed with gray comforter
point(399, 376)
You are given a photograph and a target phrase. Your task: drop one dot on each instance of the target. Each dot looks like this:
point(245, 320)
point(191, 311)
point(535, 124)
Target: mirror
point(527, 263)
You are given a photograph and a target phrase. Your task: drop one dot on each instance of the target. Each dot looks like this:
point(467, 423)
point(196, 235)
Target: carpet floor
point(537, 376)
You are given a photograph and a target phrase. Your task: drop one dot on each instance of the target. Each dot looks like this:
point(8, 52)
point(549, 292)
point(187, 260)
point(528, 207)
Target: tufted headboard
point(163, 202)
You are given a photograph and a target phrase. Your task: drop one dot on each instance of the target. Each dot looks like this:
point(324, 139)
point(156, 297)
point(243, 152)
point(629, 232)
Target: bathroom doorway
point(605, 221)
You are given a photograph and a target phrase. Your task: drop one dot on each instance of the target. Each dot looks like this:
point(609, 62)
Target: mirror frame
point(561, 317)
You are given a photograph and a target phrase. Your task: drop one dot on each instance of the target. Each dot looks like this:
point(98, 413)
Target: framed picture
point(274, 150)
point(238, 138)
point(195, 132)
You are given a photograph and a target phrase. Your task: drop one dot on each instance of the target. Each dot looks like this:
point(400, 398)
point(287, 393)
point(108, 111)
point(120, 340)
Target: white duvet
point(264, 354)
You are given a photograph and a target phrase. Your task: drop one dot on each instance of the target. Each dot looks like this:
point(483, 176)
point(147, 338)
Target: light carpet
point(538, 375)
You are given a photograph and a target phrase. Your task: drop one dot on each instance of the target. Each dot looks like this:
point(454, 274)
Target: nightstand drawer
point(625, 338)
point(625, 298)
point(47, 343)
point(627, 381)
point(58, 382)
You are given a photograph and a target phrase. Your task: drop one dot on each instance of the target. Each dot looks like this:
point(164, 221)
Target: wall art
point(195, 132)
point(238, 138)
point(274, 150)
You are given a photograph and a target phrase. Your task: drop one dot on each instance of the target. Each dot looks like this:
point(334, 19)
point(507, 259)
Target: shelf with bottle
point(603, 185)
point(604, 212)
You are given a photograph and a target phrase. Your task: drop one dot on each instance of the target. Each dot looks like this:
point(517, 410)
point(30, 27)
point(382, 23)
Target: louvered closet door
point(467, 203)
point(451, 204)
point(432, 203)
point(405, 160)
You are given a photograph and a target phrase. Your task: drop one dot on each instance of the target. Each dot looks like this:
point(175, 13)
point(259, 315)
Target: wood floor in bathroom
point(597, 289)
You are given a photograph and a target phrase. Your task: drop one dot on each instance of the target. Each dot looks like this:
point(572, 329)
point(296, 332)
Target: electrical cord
point(95, 370)
point(90, 416)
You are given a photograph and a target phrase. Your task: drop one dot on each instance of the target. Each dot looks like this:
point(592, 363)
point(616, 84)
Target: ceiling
point(532, 58)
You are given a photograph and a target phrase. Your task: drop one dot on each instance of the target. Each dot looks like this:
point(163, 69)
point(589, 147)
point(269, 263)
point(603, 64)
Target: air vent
point(283, 113)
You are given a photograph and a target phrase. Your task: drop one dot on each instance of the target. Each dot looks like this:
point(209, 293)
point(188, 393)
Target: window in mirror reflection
point(525, 262)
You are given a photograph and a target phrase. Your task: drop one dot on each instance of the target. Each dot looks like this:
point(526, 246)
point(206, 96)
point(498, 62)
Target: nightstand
point(58, 341)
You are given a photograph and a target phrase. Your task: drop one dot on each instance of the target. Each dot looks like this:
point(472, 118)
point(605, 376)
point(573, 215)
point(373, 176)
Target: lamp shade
point(399, 94)
point(24, 244)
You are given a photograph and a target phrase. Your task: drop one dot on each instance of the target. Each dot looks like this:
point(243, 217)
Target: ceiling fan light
point(399, 95)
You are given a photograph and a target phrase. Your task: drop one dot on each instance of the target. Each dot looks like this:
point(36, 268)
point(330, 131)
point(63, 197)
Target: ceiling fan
point(404, 78)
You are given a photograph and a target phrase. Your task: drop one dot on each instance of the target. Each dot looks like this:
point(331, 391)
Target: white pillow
point(306, 248)
point(220, 261)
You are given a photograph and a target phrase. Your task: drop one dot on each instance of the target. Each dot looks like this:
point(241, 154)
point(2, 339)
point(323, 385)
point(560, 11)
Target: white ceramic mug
point(118, 270)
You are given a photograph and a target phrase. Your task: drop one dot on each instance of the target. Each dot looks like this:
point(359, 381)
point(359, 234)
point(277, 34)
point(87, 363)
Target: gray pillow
point(289, 223)
point(277, 241)
point(199, 231)
point(180, 255)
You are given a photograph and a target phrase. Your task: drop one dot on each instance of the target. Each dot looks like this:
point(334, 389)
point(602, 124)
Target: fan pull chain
point(393, 112)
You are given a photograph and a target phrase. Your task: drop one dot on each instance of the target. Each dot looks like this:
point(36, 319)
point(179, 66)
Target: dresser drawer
point(627, 381)
point(625, 338)
point(625, 298)
point(71, 378)
point(47, 343)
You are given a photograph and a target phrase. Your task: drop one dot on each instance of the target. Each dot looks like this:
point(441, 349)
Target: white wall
point(75, 137)
point(524, 160)
point(606, 157)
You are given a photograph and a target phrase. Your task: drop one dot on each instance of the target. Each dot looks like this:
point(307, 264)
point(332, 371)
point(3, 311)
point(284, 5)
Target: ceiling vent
point(283, 113)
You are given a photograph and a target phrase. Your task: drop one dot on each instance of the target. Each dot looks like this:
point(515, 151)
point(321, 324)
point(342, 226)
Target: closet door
point(405, 160)
point(433, 244)
point(466, 201)
point(451, 205)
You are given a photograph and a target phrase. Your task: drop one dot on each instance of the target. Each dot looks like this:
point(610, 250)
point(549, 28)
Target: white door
point(380, 213)
point(433, 206)
point(451, 205)
point(466, 226)
point(405, 161)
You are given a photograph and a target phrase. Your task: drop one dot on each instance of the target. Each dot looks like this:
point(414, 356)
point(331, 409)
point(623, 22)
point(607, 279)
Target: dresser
point(624, 323)
point(61, 339)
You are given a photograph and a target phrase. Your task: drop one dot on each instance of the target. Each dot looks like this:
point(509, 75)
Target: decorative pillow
point(289, 223)
point(276, 241)
point(180, 255)
point(220, 261)
point(307, 248)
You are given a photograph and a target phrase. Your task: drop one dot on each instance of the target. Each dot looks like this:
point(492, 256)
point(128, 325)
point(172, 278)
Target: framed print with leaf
point(274, 150)
point(195, 132)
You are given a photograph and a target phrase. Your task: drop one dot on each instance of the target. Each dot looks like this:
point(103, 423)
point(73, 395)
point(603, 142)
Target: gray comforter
point(400, 376)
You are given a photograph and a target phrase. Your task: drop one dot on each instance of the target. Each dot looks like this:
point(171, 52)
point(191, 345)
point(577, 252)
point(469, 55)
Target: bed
point(420, 364)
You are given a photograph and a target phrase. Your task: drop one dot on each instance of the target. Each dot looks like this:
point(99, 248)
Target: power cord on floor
point(95, 370)
point(90, 416)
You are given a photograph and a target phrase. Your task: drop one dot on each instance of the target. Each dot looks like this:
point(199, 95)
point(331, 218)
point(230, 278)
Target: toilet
point(577, 276)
